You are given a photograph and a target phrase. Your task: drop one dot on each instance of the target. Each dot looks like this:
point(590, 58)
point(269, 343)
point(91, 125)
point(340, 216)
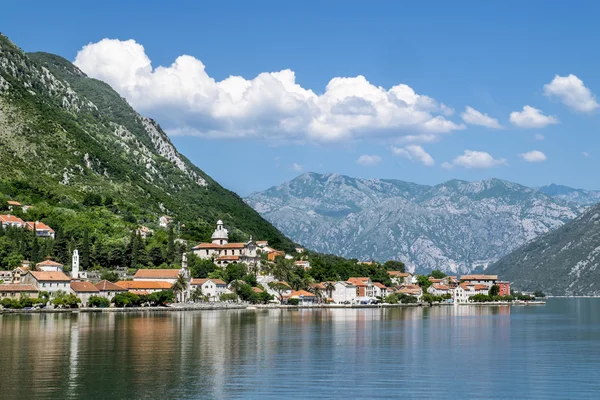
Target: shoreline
point(225, 307)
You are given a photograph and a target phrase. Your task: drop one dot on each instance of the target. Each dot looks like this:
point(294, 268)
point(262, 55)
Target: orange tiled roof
point(13, 203)
point(220, 246)
point(257, 289)
point(48, 263)
point(265, 242)
point(398, 274)
point(298, 293)
point(39, 226)
point(84, 287)
point(479, 277)
point(481, 287)
point(380, 285)
point(228, 258)
point(157, 273)
point(139, 292)
point(8, 218)
point(17, 287)
point(440, 287)
point(202, 281)
point(143, 285)
point(362, 281)
point(434, 280)
point(49, 276)
point(108, 286)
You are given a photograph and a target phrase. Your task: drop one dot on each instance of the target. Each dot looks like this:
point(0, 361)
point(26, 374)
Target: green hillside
point(88, 162)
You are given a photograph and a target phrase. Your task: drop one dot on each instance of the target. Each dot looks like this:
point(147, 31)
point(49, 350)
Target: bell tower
point(75, 265)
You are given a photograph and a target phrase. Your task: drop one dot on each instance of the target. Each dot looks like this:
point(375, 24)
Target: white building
point(401, 278)
point(47, 281)
point(165, 221)
point(463, 292)
point(213, 288)
point(302, 264)
point(8, 220)
point(365, 289)
point(108, 289)
point(488, 280)
point(438, 289)
point(41, 229)
point(379, 290)
point(158, 275)
point(144, 232)
point(222, 252)
point(344, 292)
point(49, 266)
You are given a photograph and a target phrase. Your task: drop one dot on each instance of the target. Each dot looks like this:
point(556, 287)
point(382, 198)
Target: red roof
point(49, 276)
point(17, 287)
point(359, 281)
point(84, 287)
point(202, 281)
point(257, 290)
point(398, 274)
point(13, 203)
point(48, 263)
point(157, 274)
point(380, 285)
point(479, 278)
point(39, 226)
point(143, 285)
point(228, 258)
point(220, 246)
point(440, 287)
point(298, 293)
point(108, 286)
point(8, 218)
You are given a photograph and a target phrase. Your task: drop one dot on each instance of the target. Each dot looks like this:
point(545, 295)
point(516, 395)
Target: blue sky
point(495, 57)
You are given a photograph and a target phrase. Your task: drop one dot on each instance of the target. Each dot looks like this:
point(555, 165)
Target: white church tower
point(220, 235)
point(75, 265)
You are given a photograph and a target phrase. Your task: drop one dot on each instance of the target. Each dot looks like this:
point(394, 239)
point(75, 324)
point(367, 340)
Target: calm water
point(540, 352)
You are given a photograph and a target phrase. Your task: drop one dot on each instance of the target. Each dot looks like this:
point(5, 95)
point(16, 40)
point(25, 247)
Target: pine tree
point(135, 246)
point(171, 246)
point(60, 248)
point(85, 251)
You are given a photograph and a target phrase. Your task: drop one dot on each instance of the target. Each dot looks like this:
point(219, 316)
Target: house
point(262, 243)
point(379, 289)
point(108, 289)
point(159, 275)
point(8, 220)
point(49, 281)
point(6, 276)
point(345, 292)
point(41, 229)
point(84, 290)
point(274, 254)
point(144, 287)
point(463, 292)
point(299, 250)
point(16, 291)
point(304, 297)
point(49, 266)
point(257, 289)
point(18, 273)
point(504, 288)
point(213, 288)
point(224, 253)
point(264, 281)
point(165, 221)
point(488, 280)
point(144, 232)
point(399, 278)
point(411, 290)
point(302, 264)
point(438, 289)
point(434, 280)
point(364, 287)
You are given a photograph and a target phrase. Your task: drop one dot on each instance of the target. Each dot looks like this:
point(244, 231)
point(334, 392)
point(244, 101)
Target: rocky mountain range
point(563, 262)
point(455, 226)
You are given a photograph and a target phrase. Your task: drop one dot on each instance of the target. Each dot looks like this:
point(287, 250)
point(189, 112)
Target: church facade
point(223, 253)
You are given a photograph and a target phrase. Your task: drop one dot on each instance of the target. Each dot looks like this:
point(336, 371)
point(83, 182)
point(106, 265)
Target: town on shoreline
point(242, 274)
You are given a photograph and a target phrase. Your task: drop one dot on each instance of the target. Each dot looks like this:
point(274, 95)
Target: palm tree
point(197, 295)
point(329, 288)
point(180, 286)
point(316, 290)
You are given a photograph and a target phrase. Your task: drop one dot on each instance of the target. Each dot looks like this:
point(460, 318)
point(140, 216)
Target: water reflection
point(303, 353)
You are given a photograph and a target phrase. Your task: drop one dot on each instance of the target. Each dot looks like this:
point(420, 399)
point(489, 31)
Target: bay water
point(449, 352)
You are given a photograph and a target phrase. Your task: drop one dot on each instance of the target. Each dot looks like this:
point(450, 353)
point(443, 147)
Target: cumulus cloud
point(188, 101)
point(368, 160)
point(473, 117)
point(475, 159)
point(297, 167)
point(531, 117)
point(571, 91)
point(414, 153)
point(533, 156)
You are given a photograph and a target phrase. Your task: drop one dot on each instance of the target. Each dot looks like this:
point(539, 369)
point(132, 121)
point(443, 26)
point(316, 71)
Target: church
point(222, 252)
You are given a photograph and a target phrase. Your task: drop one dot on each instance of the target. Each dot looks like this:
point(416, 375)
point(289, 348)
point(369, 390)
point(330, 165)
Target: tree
point(393, 265)
point(200, 268)
point(196, 295)
point(423, 281)
point(134, 249)
point(98, 301)
point(539, 293)
point(60, 249)
point(111, 276)
point(494, 290)
point(171, 246)
point(85, 250)
point(437, 274)
point(329, 289)
point(250, 279)
point(235, 271)
point(279, 288)
point(228, 297)
point(180, 286)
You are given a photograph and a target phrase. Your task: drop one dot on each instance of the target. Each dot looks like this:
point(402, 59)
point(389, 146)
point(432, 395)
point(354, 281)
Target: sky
point(256, 93)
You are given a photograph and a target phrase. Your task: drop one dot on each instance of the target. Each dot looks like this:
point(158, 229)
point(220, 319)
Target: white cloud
point(539, 136)
point(475, 159)
point(572, 92)
point(533, 156)
point(414, 153)
point(297, 167)
point(531, 117)
point(586, 154)
point(473, 117)
point(367, 160)
point(190, 102)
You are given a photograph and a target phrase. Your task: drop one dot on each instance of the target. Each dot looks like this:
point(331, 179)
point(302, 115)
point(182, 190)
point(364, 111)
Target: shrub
point(293, 302)
point(98, 301)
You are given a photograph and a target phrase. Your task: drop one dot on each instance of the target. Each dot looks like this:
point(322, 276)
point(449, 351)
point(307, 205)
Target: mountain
point(579, 196)
point(455, 226)
point(64, 135)
point(562, 262)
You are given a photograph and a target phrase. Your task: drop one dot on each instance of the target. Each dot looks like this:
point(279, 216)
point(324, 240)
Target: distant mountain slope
point(64, 135)
point(562, 262)
point(579, 196)
point(454, 226)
